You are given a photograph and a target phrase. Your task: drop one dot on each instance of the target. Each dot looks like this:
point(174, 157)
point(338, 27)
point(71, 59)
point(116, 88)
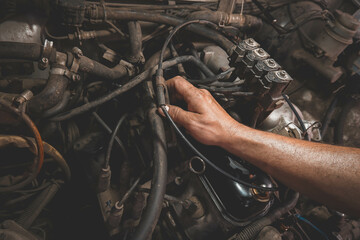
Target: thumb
point(179, 115)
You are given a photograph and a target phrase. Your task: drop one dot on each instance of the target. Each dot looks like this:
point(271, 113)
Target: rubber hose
point(58, 107)
point(154, 204)
point(210, 34)
point(95, 68)
point(135, 35)
point(129, 85)
point(50, 96)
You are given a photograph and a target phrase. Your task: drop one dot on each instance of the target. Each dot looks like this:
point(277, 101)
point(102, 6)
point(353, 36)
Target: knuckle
point(199, 94)
point(177, 80)
point(174, 112)
point(205, 92)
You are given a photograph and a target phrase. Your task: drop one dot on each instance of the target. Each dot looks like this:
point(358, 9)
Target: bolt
point(282, 73)
point(178, 181)
point(271, 63)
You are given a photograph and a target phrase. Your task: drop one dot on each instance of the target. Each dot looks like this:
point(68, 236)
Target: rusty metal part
point(197, 165)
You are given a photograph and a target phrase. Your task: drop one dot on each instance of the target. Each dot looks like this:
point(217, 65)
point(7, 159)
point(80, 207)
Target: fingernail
point(167, 108)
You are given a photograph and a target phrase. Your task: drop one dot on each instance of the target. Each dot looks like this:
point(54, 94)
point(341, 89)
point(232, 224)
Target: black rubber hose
point(129, 85)
point(58, 107)
point(154, 204)
point(135, 37)
point(34, 209)
point(93, 67)
point(252, 230)
point(50, 96)
point(24, 51)
point(210, 34)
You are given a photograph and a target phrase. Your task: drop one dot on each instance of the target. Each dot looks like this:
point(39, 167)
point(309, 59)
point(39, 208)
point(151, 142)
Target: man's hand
point(205, 119)
point(328, 174)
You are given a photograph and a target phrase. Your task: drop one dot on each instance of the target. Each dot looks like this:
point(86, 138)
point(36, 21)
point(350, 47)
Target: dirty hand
point(204, 119)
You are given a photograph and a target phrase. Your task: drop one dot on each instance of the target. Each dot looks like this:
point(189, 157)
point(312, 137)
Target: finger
point(180, 89)
point(180, 116)
point(162, 112)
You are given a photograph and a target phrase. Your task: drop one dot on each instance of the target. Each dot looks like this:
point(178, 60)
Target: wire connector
point(160, 90)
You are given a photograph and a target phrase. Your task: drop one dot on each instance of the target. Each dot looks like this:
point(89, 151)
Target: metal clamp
point(46, 54)
point(65, 72)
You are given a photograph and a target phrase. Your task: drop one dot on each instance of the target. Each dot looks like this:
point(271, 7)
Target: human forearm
point(329, 174)
point(326, 173)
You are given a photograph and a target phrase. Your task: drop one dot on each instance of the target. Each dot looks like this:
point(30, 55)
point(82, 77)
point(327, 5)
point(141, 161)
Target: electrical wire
point(215, 78)
point(130, 191)
point(199, 154)
point(159, 72)
point(108, 129)
point(302, 125)
point(312, 225)
point(112, 139)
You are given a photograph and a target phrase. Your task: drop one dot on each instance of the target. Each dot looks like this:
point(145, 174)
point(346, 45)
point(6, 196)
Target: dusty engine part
point(314, 38)
point(83, 80)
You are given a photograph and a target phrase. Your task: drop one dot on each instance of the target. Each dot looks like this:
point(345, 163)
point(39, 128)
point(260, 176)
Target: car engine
point(85, 153)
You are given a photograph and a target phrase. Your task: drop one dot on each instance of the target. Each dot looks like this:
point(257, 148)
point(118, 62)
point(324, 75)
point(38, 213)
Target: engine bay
point(85, 153)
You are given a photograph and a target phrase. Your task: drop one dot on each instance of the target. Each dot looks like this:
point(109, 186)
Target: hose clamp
point(46, 54)
point(65, 72)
